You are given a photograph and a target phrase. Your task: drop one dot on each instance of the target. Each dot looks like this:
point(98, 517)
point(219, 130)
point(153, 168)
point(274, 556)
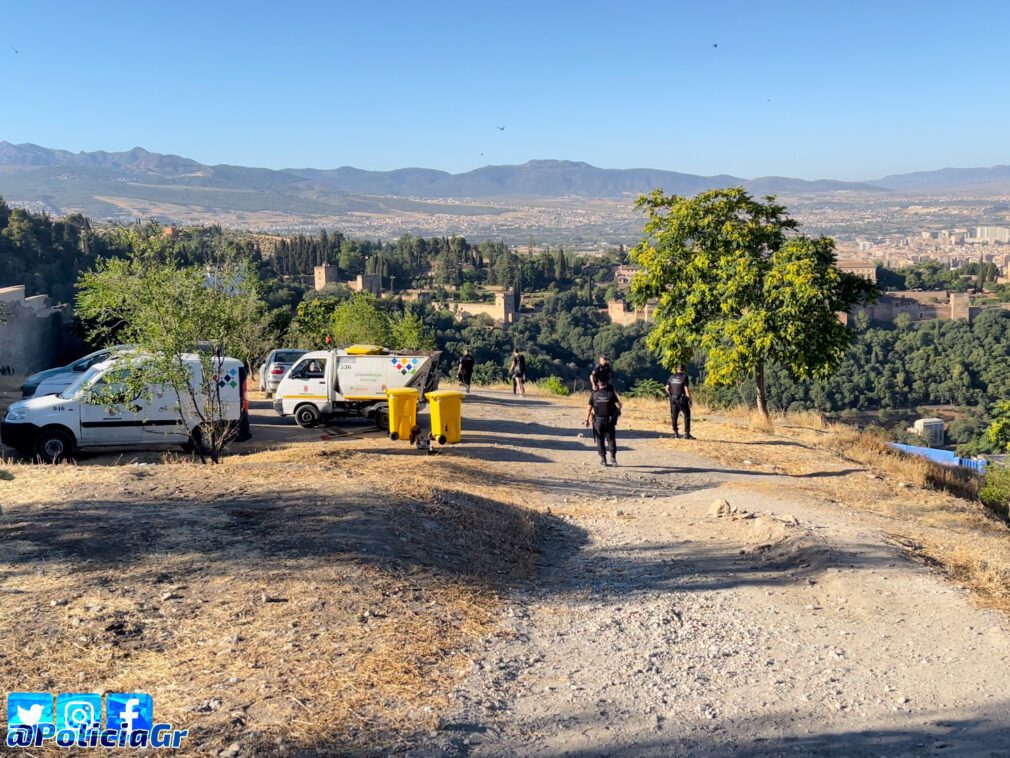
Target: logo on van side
point(406, 365)
point(228, 380)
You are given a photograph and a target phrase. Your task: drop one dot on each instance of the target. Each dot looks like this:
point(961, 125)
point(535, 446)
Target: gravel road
point(791, 627)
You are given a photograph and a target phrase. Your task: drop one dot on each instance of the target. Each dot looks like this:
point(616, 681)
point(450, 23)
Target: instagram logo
point(78, 711)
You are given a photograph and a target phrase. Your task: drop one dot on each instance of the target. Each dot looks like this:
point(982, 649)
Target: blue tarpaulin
point(943, 457)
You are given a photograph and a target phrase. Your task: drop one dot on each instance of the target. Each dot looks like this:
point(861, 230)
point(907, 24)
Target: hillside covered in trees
point(952, 362)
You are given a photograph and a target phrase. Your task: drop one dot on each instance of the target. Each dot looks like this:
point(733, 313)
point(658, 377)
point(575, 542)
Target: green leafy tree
point(998, 433)
point(732, 283)
point(408, 332)
point(168, 311)
point(360, 320)
point(311, 326)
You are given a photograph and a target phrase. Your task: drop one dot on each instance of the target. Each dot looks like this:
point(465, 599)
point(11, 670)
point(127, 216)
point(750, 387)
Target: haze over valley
point(552, 201)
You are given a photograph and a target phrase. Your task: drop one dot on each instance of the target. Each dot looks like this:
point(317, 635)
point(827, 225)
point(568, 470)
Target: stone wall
point(33, 336)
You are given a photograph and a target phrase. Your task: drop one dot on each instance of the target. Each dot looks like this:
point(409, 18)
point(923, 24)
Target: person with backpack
point(517, 372)
point(465, 371)
point(603, 410)
point(601, 374)
point(679, 391)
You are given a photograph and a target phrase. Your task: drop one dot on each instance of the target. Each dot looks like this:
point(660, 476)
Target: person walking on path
point(601, 374)
point(465, 372)
point(679, 391)
point(517, 371)
point(603, 409)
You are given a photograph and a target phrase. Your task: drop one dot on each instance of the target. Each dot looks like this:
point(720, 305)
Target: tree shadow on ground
point(614, 574)
point(479, 399)
point(985, 734)
point(476, 540)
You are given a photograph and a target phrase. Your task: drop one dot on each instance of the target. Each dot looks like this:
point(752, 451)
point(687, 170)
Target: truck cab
point(351, 382)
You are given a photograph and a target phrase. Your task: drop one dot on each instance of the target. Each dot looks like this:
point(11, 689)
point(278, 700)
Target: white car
point(54, 380)
point(275, 367)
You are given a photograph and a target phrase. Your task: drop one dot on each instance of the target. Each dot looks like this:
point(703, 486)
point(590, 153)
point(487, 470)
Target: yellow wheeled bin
point(446, 412)
point(402, 411)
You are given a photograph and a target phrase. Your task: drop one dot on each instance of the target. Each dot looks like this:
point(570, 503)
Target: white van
point(51, 428)
point(352, 382)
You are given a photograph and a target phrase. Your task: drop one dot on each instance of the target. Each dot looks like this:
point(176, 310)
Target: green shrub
point(649, 388)
point(488, 373)
point(555, 385)
point(995, 493)
point(5, 476)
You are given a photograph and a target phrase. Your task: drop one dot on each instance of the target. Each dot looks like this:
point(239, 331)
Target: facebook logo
point(129, 711)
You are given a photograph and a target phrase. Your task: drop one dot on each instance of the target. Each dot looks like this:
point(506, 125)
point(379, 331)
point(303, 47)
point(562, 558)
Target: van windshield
point(70, 392)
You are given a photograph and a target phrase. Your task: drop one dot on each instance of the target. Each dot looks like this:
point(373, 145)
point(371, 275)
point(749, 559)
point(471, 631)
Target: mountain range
point(125, 184)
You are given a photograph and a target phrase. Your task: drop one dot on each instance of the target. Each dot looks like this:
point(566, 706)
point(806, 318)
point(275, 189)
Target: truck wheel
point(53, 446)
point(307, 416)
point(382, 419)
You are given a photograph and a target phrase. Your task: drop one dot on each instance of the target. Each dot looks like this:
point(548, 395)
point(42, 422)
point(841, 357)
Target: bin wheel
point(394, 436)
point(441, 439)
point(307, 416)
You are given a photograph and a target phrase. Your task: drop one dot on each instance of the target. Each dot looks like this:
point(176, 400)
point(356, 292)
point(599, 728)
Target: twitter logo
point(29, 709)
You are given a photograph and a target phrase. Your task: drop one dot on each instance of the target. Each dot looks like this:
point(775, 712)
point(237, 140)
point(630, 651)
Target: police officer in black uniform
point(679, 391)
point(601, 374)
point(604, 408)
point(465, 371)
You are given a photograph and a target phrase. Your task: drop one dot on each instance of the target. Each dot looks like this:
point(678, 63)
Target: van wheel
point(53, 446)
point(307, 416)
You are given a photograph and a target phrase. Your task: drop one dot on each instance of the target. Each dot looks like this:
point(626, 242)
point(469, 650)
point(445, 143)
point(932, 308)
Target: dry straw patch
point(297, 599)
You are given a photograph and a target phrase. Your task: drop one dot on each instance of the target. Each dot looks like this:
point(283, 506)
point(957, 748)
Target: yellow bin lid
point(365, 350)
point(444, 394)
point(402, 391)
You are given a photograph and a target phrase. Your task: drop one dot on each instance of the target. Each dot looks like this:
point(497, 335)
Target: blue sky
point(857, 89)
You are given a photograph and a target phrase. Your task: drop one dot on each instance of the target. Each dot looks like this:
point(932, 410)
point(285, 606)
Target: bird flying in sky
point(501, 128)
point(18, 52)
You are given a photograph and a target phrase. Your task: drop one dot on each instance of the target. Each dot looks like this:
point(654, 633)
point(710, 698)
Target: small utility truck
point(352, 381)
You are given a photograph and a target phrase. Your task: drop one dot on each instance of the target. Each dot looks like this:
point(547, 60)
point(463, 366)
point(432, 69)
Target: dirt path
point(792, 627)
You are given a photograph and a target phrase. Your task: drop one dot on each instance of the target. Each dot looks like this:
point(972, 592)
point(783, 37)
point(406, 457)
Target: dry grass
point(874, 452)
point(297, 599)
